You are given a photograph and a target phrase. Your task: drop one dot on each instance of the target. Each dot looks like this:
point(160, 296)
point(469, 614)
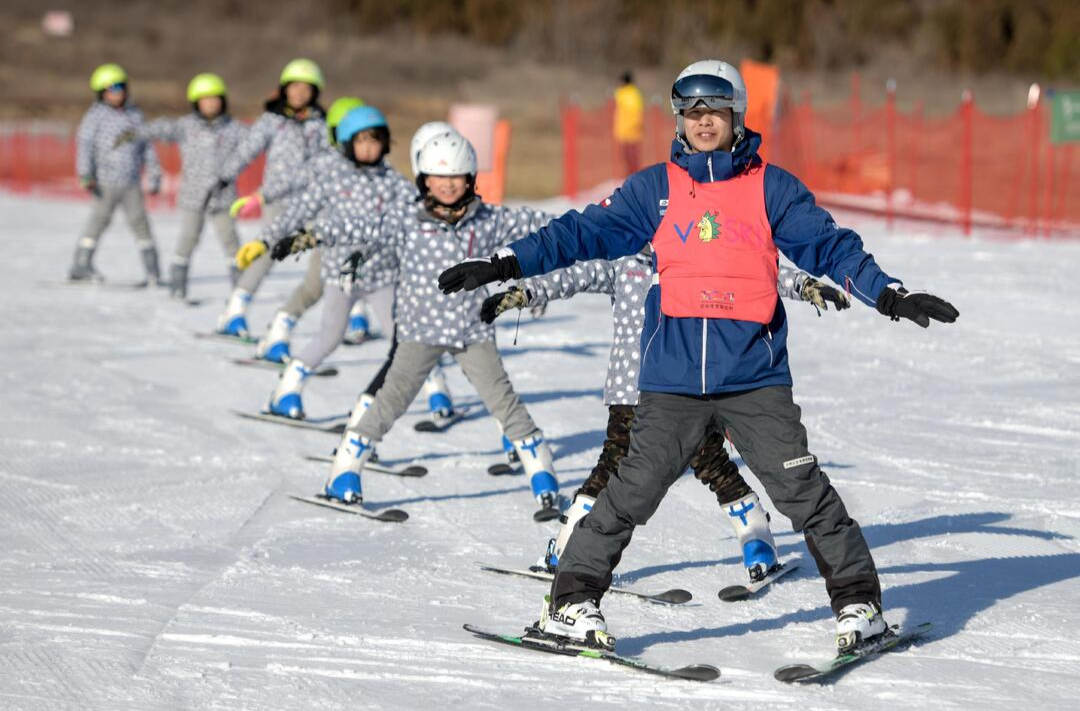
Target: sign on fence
point(1065, 125)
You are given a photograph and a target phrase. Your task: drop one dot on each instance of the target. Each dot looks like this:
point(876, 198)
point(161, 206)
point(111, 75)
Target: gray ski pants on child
point(131, 199)
point(191, 226)
point(252, 277)
point(481, 364)
point(765, 427)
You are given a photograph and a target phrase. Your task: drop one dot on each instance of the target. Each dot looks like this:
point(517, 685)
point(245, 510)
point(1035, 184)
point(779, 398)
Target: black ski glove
point(293, 244)
point(474, 273)
point(349, 269)
point(820, 295)
point(496, 304)
point(919, 306)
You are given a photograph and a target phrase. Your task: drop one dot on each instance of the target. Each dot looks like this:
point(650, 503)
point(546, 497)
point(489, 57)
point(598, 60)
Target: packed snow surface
point(150, 557)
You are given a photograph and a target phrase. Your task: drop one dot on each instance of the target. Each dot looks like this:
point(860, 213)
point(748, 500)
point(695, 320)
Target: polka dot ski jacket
point(288, 142)
point(97, 156)
point(204, 147)
point(425, 246)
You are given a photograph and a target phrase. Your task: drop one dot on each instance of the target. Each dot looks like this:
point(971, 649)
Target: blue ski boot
point(751, 523)
point(274, 346)
point(234, 321)
point(286, 399)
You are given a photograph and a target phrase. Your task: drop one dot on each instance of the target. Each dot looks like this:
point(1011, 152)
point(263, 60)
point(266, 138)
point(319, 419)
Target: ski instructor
point(713, 348)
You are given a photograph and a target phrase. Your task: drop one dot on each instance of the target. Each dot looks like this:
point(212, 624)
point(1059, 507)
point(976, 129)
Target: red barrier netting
point(39, 157)
point(967, 169)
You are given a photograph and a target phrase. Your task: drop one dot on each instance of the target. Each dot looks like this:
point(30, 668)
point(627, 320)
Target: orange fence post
point(967, 117)
point(913, 148)
point(856, 109)
point(20, 163)
point(890, 150)
point(570, 149)
point(1033, 187)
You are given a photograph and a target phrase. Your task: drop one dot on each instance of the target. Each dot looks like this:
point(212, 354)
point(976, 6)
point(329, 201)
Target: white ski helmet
point(448, 153)
point(423, 134)
point(714, 83)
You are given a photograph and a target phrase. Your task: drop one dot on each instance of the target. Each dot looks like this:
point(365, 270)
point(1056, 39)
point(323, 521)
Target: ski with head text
point(535, 640)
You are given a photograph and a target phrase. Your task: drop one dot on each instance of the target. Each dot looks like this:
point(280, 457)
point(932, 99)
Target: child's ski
point(370, 466)
point(386, 515)
point(321, 371)
point(215, 336)
point(334, 424)
point(736, 593)
point(674, 596)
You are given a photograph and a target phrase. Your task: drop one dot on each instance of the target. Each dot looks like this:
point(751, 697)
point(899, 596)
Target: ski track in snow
point(152, 560)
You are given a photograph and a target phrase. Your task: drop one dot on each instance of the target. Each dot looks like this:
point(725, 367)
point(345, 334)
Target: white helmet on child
point(715, 84)
point(448, 153)
point(423, 134)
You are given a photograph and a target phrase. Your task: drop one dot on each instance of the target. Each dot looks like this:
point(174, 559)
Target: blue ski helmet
point(362, 118)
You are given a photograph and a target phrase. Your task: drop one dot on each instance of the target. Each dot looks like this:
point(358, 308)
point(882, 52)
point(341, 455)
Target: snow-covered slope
point(150, 557)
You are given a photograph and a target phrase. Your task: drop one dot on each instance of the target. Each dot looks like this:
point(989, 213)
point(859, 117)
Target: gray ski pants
point(335, 321)
point(191, 226)
point(765, 426)
point(481, 364)
point(131, 200)
point(308, 292)
point(252, 277)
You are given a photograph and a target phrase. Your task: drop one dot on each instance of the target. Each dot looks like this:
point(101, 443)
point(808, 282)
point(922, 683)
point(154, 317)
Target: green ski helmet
point(106, 75)
point(302, 70)
point(337, 111)
point(204, 85)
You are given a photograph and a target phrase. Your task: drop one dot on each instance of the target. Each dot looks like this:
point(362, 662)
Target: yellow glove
point(249, 252)
point(245, 206)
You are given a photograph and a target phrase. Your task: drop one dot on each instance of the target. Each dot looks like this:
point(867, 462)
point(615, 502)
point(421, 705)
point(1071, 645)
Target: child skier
point(111, 172)
point(453, 223)
point(207, 136)
point(290, 131)
point(377, 273)
point(627, 282)
point(713, 343)
point(354, 175)
point(274, 345)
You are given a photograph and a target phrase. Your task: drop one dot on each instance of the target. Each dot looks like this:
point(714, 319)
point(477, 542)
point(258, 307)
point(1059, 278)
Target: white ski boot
point(234, 321)
point(349, 459)
point(359, 328)
point(580, 622)
point(438, 396)
point(751, 523)
point(537, 461)
point(582, 505)
point(363, 402)
point(857, 624)
point(286, 400)
point(274, 346)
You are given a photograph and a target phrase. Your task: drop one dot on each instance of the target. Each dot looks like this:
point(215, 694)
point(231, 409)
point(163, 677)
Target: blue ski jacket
point(696, 356)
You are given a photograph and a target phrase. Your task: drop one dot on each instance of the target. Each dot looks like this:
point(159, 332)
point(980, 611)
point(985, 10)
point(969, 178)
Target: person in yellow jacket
point(629, 128)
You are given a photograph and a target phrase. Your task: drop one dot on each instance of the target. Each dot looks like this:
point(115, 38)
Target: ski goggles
point(715, 92)
point(118, 86)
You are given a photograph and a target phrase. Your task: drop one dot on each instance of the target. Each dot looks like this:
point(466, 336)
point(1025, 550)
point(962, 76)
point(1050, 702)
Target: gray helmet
point(715, 84)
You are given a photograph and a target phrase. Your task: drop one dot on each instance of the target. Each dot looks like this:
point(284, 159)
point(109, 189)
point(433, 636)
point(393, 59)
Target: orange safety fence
point(968, 169)
point(39, 157)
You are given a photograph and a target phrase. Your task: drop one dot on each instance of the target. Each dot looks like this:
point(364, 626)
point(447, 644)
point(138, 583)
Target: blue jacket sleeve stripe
point(622, 227)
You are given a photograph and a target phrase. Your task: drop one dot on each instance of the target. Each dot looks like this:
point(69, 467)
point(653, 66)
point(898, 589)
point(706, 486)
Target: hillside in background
point(415, 58)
